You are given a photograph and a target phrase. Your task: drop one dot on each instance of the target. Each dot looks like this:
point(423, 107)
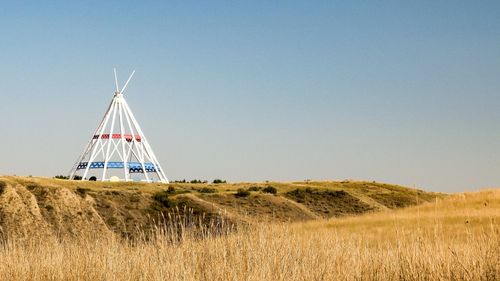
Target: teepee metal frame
point(119, 143)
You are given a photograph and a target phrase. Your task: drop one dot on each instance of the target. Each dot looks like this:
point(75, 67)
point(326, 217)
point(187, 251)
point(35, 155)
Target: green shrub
point(207, 190)
point(298, 193)
point(242, 193)
point(270, 189)
point(254, 188)
point(216, 181)
point(162, 198)
point(336, 193)
point(63, 177)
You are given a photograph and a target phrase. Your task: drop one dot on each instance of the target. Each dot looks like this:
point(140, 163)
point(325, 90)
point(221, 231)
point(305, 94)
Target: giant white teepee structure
point(119, 150)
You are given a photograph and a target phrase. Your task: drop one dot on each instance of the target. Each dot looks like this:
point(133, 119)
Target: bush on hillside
point(207, 190)
point(63, 177)
point(242, 193)
point(336, 193)
point(254, 188)
point(162, 198)
point(270, 189)
point(216, 181)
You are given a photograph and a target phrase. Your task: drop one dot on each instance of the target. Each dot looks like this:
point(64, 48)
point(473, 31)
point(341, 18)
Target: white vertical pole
point(91, 143)
point(126, 83)
point(106, 160)
point(150, 152)
point(140, 157)
point(116, 81)
point(122, 139)
point(94, 150)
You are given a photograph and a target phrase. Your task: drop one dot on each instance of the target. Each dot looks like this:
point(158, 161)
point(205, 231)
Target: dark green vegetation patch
point(242, 193)
point(207, 190)
point(254, 188)
point(270, 189)
point(163, 199)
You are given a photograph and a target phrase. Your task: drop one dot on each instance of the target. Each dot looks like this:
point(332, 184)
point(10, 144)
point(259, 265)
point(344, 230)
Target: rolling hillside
point(61, 208)
point(455, 237)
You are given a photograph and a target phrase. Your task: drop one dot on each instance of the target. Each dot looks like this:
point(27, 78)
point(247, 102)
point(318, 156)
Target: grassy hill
point(61, 207)
point(453, 237)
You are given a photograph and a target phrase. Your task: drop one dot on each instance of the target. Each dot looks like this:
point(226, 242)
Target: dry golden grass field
point(453, 237)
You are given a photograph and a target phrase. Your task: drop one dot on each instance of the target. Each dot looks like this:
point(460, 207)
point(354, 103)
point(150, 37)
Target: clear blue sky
point(405, 92)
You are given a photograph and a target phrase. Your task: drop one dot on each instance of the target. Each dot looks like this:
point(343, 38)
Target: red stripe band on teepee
point(127, 137)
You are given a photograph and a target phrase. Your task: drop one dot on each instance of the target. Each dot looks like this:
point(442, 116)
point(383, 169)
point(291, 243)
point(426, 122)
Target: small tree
point(217, 181)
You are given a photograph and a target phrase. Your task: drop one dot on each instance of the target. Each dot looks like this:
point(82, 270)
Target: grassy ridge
point(452, 238)
point(63, 207)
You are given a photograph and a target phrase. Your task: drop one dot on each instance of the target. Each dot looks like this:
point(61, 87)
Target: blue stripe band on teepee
point(134, 167)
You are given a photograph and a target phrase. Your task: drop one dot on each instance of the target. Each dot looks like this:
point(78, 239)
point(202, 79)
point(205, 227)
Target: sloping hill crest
point(61, 208)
